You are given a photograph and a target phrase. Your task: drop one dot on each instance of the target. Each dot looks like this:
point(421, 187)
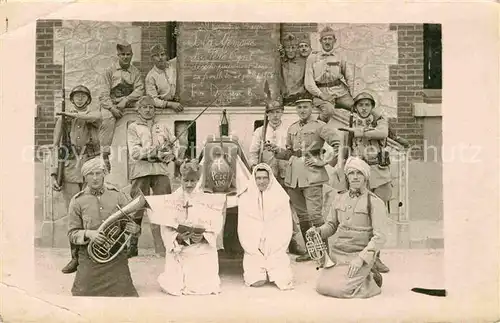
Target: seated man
point(191, 260)
point(87, 210)
point(357, 218)
point(265, 230)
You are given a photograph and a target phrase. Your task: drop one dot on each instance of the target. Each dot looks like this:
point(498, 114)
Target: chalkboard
point(227, 62)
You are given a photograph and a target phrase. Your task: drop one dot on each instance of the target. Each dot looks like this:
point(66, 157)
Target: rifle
point(267, 91)
point(347, 148)
point(62, 150)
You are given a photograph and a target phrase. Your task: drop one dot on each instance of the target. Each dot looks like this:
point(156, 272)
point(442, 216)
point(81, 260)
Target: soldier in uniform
point(370, 133)
point(81, 133)
point(292, 70)
point(306, 173)
point(304, 46)
point(151, 149)
point(357, 219)
point(161, 81)
point(121, 87)
point(87, 211)
point(276, 133)
point(327, 76)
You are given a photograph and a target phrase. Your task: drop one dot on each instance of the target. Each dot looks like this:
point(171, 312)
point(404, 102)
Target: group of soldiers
point(89, 131)
point(294, 153)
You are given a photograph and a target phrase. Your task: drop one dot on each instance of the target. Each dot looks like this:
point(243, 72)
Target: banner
point(201, 210)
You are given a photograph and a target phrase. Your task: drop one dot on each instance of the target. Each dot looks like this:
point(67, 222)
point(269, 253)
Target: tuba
point(113, 230)
point(318, 250)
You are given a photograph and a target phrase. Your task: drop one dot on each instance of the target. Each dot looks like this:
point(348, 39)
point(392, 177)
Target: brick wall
point(152, 33)
point(407, 78)
point(296, 28)
point(47, 80)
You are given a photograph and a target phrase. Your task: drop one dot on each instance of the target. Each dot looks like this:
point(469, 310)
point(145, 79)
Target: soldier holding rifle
point(151, 149)
point(76, 137)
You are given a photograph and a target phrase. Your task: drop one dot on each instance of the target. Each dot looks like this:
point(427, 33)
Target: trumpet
point(318, 250)
point(116, 237)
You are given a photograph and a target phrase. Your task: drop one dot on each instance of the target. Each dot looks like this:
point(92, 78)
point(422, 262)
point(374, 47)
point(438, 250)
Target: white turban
point(92, 165)
point(356, 163)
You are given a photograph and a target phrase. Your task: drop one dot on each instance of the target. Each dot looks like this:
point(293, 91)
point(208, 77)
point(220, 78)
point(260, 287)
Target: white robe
point(265, 230)
point(189, 270)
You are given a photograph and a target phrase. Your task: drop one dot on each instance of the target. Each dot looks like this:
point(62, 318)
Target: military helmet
point(364, 95)
point(273, 105)
point(81, 89)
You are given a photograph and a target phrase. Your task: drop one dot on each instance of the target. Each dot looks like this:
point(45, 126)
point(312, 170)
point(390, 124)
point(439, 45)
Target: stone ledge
point(427, 110)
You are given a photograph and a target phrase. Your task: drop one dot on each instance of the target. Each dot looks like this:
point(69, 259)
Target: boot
point(132, 248)
point(105, 158)
point(379, 265)
point(295, 248)
point(73, 264)
point(377, 277)
point(304, 226)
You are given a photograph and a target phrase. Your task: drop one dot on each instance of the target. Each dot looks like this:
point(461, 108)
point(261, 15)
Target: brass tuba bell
point(318, 250)
point(113, 230)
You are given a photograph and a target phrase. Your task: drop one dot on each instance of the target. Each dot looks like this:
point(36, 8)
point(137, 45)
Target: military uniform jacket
point(89, 209)
point(142, 137)
point(359, 232)
point(83, 142)
point(303, 140)
point(277, 136)
point(119, 82)
point(369, 139)
point(326, 72)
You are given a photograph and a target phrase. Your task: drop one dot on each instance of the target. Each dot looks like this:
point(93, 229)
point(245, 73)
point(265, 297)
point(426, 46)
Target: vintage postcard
point(241, 161)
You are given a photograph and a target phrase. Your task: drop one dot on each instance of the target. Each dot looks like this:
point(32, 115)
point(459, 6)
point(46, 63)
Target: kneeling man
point(191, 260)
point(357, 217)
point(265, 230)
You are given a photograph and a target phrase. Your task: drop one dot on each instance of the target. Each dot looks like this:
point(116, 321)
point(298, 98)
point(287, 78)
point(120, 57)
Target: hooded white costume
point(192, 268)
point(265, 230)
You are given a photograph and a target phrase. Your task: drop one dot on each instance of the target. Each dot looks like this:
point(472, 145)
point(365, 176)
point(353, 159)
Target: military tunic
point(305, 183)
point(368, 141)
point(358, 233)
point(88, 210)
point(116, 83)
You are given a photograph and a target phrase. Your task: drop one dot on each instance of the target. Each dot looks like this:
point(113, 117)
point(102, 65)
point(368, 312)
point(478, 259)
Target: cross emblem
point(218, 162)
point(187, 206)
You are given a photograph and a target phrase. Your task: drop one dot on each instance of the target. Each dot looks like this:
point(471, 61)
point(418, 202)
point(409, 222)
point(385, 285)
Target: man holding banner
point(190, 222)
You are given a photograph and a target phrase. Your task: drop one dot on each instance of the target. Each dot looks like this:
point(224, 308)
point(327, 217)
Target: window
point(188, 138)
point(432, 56)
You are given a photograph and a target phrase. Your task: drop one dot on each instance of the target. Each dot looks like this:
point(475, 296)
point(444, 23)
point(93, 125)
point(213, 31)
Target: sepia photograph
point(249, 162)
point(316, 147)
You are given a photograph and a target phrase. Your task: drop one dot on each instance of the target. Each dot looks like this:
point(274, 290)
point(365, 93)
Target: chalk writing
point(213, 55)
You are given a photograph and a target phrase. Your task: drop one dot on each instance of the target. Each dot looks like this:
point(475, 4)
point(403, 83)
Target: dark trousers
point(160, 185)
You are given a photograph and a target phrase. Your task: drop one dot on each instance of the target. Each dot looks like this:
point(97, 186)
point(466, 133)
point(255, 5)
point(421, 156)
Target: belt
point(299, 153)
point(329, 84)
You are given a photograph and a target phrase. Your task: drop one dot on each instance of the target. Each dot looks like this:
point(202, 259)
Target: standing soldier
point(150, 148)
point(276, 134)
point(81, 129)
point(306, 173)
point(326, 77)
point(292, 70)
point(370, 132)
point(121, 87)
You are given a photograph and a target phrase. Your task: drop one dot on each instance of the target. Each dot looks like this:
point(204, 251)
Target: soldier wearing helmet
point(327, 76)
point(81, 128)
point(371, 130)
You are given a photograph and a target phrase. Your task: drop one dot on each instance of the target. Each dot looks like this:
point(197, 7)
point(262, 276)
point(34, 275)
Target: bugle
point(113, 230)
point(318, 250)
